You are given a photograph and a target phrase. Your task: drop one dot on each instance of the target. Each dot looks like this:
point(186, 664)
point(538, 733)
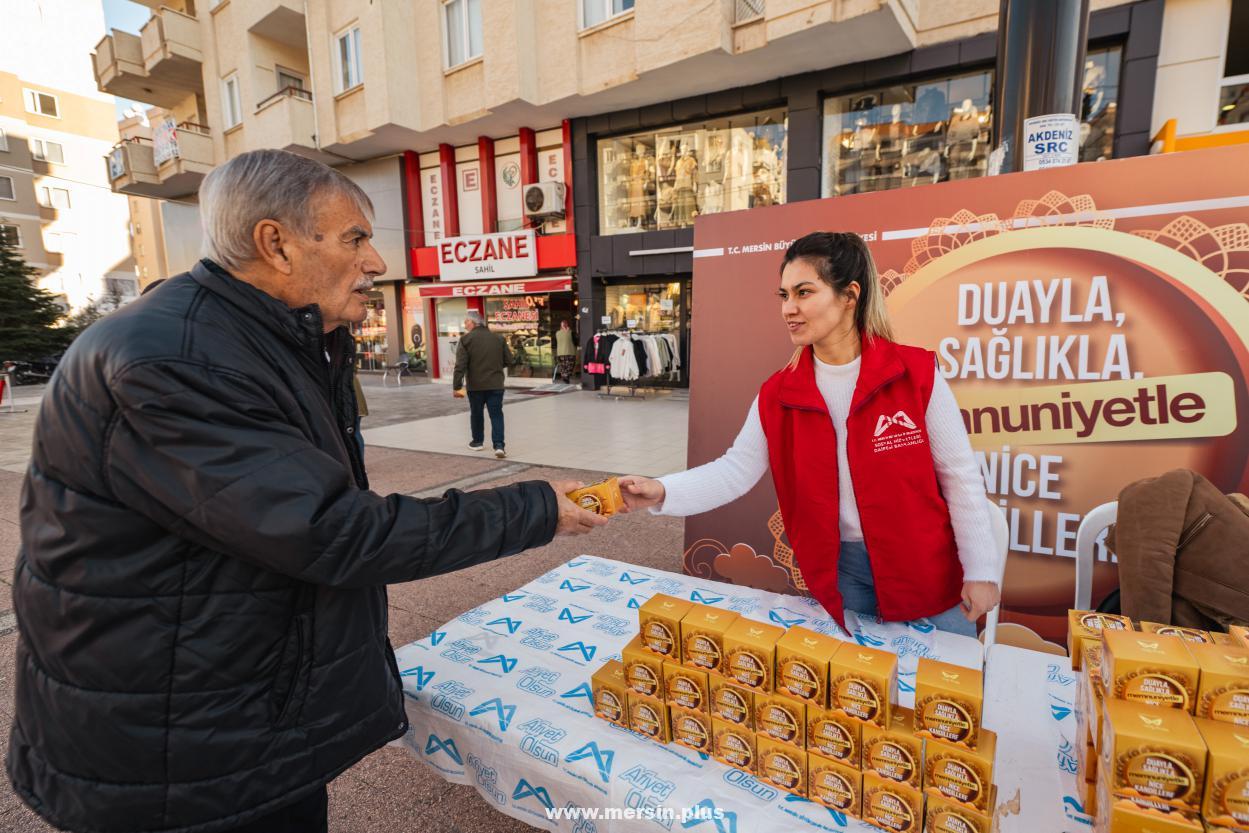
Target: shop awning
point(524, 286)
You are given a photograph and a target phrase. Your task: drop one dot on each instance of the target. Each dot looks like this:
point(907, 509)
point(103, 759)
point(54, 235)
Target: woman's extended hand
point(641, 492)
point(979, 597)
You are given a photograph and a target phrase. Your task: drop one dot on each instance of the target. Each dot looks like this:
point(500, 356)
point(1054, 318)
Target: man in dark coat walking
point(480, 361)
point(201, 586)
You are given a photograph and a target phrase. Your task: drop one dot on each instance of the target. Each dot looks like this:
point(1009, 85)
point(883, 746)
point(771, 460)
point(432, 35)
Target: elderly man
point(201, 586)
point(479, 363)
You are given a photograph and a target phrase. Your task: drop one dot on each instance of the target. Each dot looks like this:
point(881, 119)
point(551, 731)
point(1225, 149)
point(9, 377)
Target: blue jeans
point(491, 400)
point(858, 590)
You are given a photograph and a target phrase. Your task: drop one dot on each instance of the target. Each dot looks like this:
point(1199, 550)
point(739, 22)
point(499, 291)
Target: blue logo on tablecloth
point(867, 639)
point(436, 637)
point(422, 676)
point(635, 602)
point(788, 619)
point(582, 690)
point(513, 597)
point(921, 625)
point(587, 651)
point(526, 790)
point(573, 588)
point(1055, 675)
point(512, 625)
point(1059, 712)
point(575, 563)
point(698, 596)
point(706, 811)
point(566, 615)
point(506, 663)
point(602, 758)
point(536, 681)
point(638, 579)
point(503, 712)
point(435, 744)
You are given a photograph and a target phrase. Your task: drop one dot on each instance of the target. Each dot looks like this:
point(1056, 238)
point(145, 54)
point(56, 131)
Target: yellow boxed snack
point(802, 659)
point(1086, 766)
point(782, 718)
point(610, 693)
point(948, 702)
point(659, 624)
point(1085, 626)
point(730, 702)
point(894, 752)
point(1122, 816)
point(649, 716)
point(1089, 697)
point(691, 729)
point(686, 687)
point(1223, 690)
point(1149, 668)
point(1221, 638)
point(863, 682)
point(892, 805)
point(834, 784)
point(834, 735)
point(961, 774)
point(1153, 756)
point(781, 765)
point(1239, 633)
point(944, 816)
point(702, 636)
point(601, 498)
point(1092, 662)
point(644, 669)
point(1226, 800)
point(733, 745)
point(1187, 634)
point(750, 653)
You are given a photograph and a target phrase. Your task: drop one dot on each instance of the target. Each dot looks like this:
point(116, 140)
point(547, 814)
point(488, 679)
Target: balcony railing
point(285, 120)
point(285, 92)
point(171, 49)
point(748, 10)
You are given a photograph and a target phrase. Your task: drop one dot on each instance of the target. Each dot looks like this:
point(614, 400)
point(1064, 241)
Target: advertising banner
point(165, 141)
point(511, 254)
point(1092, 321)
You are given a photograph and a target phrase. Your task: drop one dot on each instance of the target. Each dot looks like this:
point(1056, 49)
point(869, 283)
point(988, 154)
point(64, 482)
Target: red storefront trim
point(555, 251)
point(523, 286)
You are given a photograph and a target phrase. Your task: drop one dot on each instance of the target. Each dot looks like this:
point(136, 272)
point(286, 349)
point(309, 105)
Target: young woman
point(883, 502)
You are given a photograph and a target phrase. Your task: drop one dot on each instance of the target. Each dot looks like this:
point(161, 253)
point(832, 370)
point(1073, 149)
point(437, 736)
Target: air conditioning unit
point(544, 199)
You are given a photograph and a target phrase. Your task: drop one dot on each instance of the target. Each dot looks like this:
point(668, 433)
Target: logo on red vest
point(896, 431)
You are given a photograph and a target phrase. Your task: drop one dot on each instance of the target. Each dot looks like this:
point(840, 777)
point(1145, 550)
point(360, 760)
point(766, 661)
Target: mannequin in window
point(685, 208)
point(641, 169)
point(963, 140)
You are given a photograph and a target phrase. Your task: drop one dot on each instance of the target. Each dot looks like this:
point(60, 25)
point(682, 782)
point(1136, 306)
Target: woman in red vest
point(883, 502)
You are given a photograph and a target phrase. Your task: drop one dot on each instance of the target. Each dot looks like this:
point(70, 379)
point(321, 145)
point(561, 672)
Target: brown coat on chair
point(1183, 549)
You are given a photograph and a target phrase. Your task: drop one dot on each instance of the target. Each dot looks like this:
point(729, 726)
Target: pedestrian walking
point(565, 352)
point(479, 364)
point(201, 586)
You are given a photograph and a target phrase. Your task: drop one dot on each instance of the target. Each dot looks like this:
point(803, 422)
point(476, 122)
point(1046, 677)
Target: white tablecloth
point(500, 698)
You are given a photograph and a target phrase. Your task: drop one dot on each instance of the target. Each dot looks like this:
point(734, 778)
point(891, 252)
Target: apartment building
point(55, 126)
point(463, 118)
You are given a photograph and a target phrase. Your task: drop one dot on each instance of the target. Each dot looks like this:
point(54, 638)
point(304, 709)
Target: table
point(500, 698)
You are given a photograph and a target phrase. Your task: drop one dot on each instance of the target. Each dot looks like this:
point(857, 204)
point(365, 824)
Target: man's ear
point(272, 239)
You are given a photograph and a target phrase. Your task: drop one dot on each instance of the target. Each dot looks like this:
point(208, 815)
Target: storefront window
point(664, 179)
point(1099, 105)
point(370, 335)
point(414, 337)
point(451, 313)
point(525, 321)
point(650, 308)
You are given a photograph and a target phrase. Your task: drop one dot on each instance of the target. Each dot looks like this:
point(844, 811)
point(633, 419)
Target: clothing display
point(628, 357)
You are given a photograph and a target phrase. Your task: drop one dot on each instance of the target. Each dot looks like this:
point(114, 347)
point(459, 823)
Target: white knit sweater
point(734, 474)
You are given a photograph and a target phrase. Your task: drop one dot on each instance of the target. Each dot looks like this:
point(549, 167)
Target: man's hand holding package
point(573, 520)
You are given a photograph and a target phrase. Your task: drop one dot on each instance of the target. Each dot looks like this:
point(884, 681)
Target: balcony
point(120, 70)
point(183, 156)
point(132, 169)
point(171, 50)
point(281, 21)
point(285, 120)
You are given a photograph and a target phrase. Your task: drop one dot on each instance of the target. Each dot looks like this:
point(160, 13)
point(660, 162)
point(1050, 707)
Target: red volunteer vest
point(906, 522)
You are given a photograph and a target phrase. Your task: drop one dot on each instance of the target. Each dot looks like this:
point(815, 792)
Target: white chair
point(1001, 538)
point(1090, 531)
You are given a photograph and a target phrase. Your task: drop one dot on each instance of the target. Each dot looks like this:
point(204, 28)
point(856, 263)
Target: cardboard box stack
point(809, 714)
point(1163, 717)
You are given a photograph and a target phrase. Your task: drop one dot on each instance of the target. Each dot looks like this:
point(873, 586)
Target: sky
point(129, 17)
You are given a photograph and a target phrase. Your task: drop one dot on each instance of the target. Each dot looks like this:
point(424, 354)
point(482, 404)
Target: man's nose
point(374, 263)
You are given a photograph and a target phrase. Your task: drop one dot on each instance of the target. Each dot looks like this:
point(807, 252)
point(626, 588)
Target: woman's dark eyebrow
point(797, 286)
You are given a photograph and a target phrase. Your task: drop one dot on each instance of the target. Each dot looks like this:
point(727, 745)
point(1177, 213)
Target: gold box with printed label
point(961, 774)
point(733, 745)
point(892, 805)
point(1190, 635)
point(750, 653)
point(1149, 668)
point(833, 784)
point(802, 660)
point(691, 729)
point(949, 700)
point(1152, 756)
point(686, 687)
point(659, 624)
point(782, 718)
point(1226, 799)
point(644, 669)
point(834, 735)
point(781, 764)
point(649, 716)
point(702, 636)
point(944, 816)
point(863, 682)
point(611, 702)
point(1223, 689)
point(894, 752)
point(1240, 633)
point(730, 702)
point(1084, 626)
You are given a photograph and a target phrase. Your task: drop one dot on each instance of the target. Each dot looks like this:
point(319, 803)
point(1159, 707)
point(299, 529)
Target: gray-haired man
point(201, 587)
point(480, 361)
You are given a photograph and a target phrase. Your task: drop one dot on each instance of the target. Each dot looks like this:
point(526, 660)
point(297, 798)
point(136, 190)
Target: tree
point(29, 316)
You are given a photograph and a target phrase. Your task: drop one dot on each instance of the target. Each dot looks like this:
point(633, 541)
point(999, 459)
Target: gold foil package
point(659, 624)
point(834, 735)
point(1084, 626)
point(1223, 689)
point(863, 682)
point(894, 752)
point(892, 805)
point(833, 784)
point(782, 765)
point(702, 636)
point(802, 661)
point(781, 718)
point(601, 498)
point(1154, 757)
point(948, 702)
point(649, 716)
point(730, 702)
point(944, 816)
point(961, 774)
point(750, 653)
point(686, 687)
point(644, 669)
point(611, 693)
point(733, 745)
point(1226, 799)
point(691, 729)
point(1149, 668)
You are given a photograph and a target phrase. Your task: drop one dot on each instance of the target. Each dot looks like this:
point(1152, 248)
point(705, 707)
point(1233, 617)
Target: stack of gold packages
point(807, 713)
point(1163, 714)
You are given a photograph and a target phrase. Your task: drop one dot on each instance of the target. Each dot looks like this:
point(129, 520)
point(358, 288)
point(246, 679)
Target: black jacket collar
point(300, 326)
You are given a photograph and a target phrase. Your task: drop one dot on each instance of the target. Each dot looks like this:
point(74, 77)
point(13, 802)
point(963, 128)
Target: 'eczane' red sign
point(512, 254)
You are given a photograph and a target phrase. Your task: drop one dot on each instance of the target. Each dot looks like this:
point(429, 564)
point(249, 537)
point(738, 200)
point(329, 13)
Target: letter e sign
point(472, 179)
